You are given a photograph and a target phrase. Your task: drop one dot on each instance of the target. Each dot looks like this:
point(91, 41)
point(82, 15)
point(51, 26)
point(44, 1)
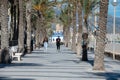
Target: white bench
point(15, 54)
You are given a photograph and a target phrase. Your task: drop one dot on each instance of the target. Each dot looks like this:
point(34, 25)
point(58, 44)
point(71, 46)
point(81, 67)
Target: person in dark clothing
point(58, 40)
point(31, 44)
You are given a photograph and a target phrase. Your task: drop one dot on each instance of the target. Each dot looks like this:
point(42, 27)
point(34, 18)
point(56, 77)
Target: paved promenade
point(53, 65)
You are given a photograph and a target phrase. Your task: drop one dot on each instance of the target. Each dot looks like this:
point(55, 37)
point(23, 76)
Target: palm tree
point(43, 10)
point(21, 28)
point(101, 36)
point(39, 8)
point(28, 20)
point(64, 18)
point(87, 6)
point(68, 17)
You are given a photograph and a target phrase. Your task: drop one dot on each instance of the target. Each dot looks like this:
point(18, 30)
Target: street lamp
point(114, 3)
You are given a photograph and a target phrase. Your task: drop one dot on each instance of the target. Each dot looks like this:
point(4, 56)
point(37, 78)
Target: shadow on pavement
point(19, 64)
point(34, 56)
point(66, 61)
point(68, 52)
point(109, 75)
point(42, 52)
point(91, 62)
point(7, 78)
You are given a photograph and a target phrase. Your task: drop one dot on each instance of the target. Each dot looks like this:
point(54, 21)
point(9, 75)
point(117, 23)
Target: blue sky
point(111, 9)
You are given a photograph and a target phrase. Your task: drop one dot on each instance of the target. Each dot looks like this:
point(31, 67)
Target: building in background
point(57, 32)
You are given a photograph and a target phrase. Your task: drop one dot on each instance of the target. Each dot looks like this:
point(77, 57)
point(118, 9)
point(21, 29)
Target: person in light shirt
point(45, 43)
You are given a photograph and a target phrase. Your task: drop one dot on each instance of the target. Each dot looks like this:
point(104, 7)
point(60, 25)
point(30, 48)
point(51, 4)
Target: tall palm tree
point(21, 28)
point(28, 20)
point(39, 8)
point(43, 10)
point(101, 36)
point(87, 6)
point(65, 19)
point(71, 8)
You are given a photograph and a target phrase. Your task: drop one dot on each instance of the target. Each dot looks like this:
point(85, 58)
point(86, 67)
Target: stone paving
point(53, 65)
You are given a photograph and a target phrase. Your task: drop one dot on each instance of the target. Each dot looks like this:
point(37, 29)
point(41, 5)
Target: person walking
point(45, 44)
point(58, 40)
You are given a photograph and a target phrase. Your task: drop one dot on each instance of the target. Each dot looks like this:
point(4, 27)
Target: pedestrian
point(45, 43)
point(58, 40)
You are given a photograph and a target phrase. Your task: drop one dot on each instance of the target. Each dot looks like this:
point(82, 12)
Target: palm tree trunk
point(42, 35)
point(28, 19)
point(69, 37)
point(101, 35)
point(74, 28)
point(65, 35)
point(21, 28)
point(37, 34)
point(4, 29)
point(68, 30)
point(79, 39)
point(74, 39)
point(4, 24)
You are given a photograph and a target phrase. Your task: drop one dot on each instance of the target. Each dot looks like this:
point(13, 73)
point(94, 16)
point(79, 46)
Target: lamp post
point(114, 3)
